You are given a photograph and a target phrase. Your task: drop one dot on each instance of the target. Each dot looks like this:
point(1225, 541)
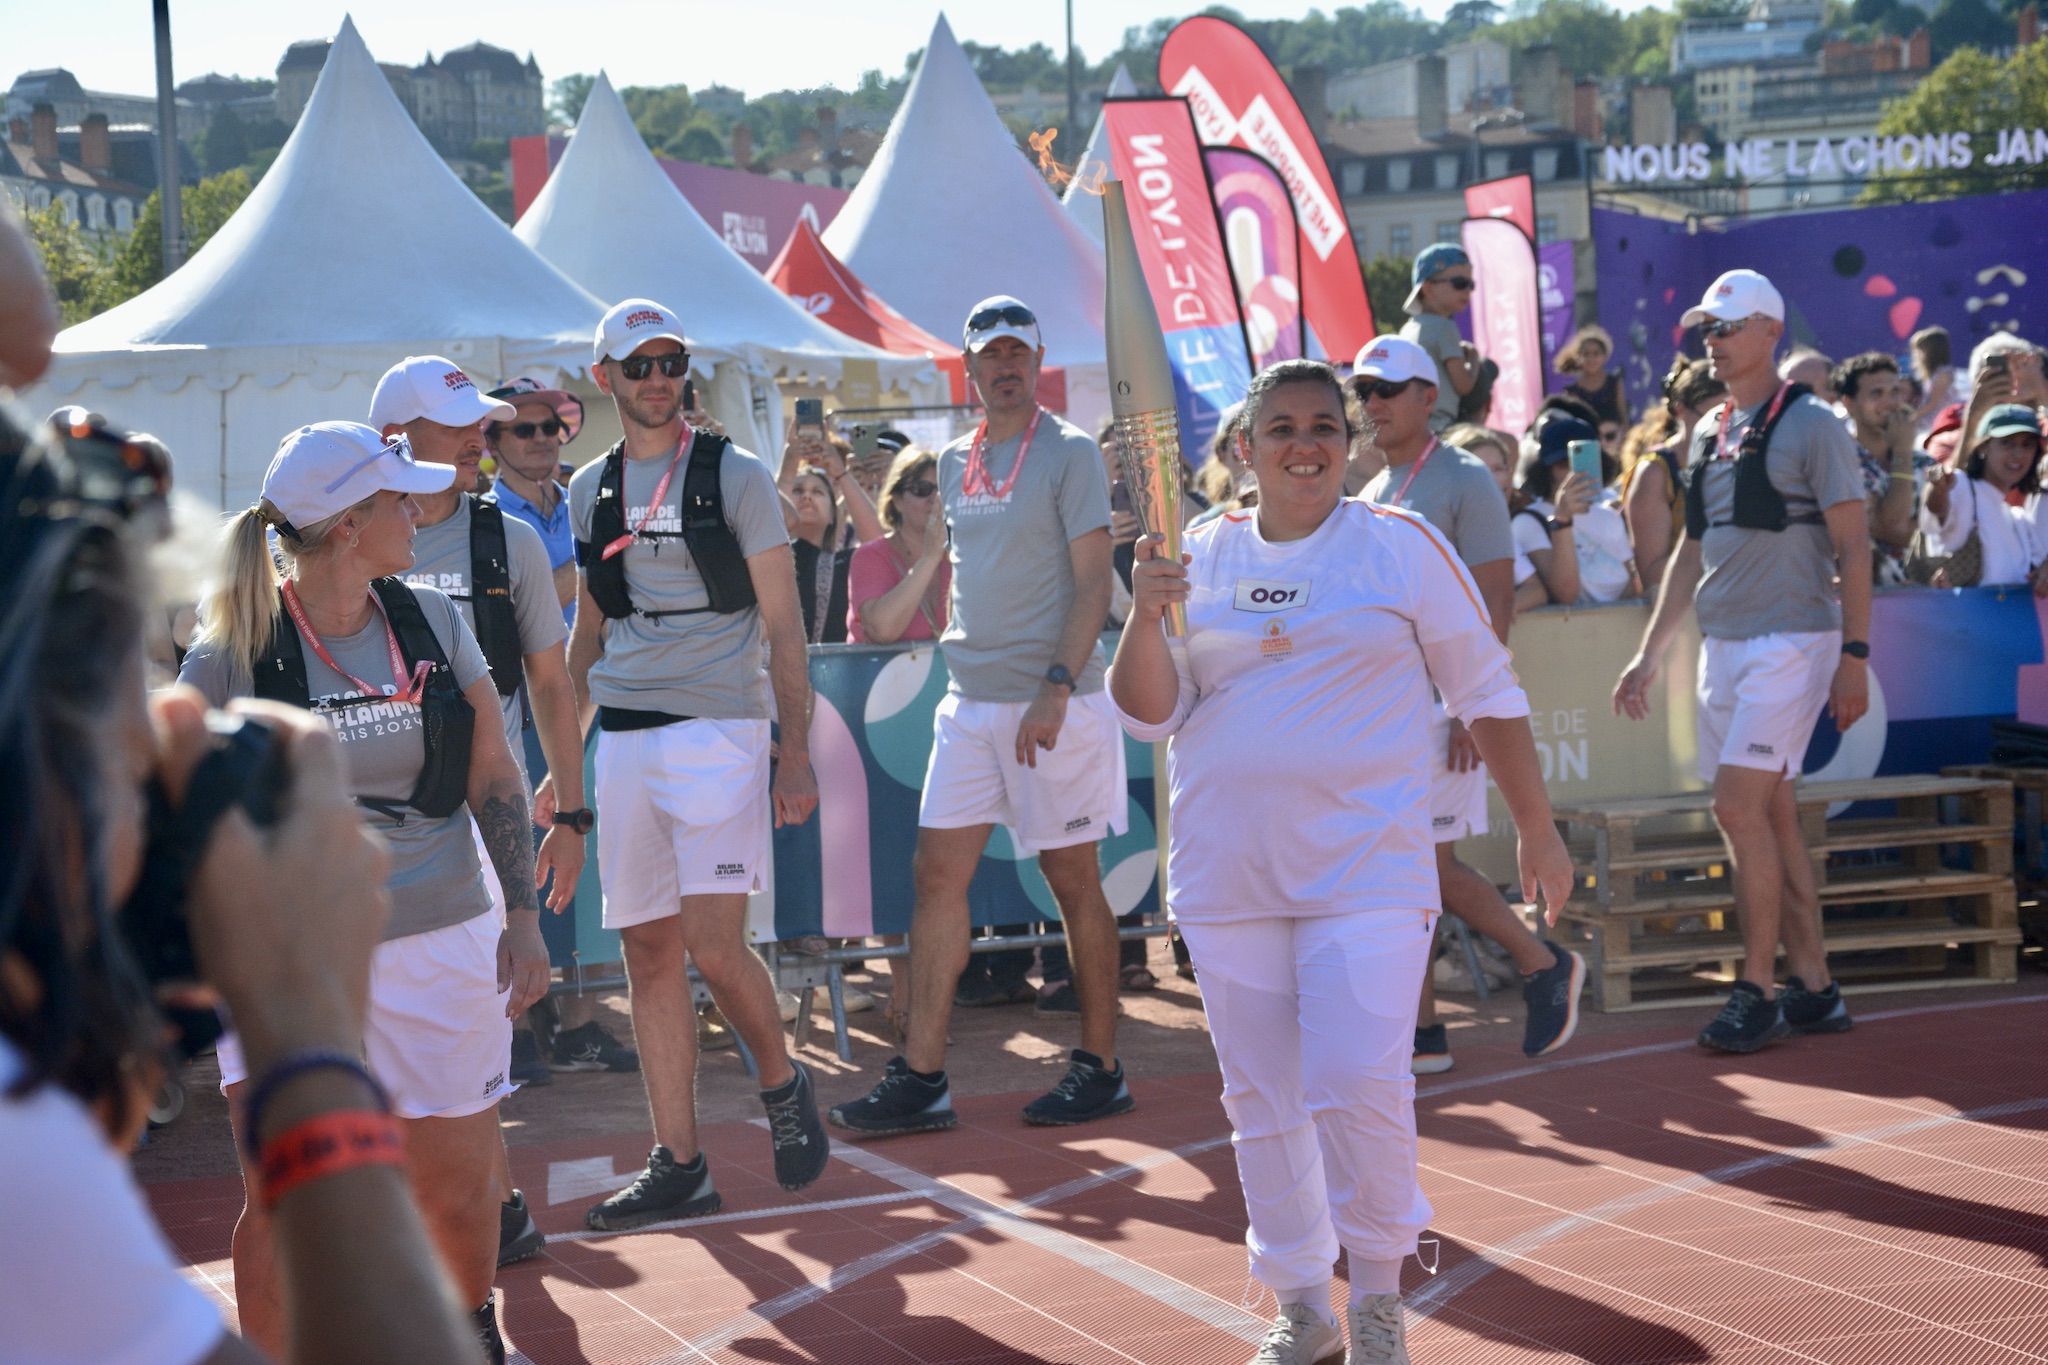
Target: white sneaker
point(1379, 1335)
point(1298, 1337)
point(857, 1000)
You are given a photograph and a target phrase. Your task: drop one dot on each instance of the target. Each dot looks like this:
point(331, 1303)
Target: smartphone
point(689, 395)
point(1586, 460)
point(862, 439)
point(810, 412)
point(1119, 496)
point(1995, 363)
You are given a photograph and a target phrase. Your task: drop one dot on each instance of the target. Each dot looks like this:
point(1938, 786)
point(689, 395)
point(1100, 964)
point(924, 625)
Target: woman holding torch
point(1301, 866)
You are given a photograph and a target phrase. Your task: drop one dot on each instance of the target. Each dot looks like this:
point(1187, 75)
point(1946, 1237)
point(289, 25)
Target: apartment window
point(1496, 165)
point(68, 201)
point(124, 215)
point(96, 213)
point(1352, 181)
point(1543, 163)
point(1397, 175)
point(1546, 228)
point(1447, 232)
point(1400, 239)
point(1447, 172)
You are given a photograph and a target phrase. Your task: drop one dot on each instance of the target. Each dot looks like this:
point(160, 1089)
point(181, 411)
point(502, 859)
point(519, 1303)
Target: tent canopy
point(951, 212)
point(616, 224)
point(1083, 205)
point(822, 286)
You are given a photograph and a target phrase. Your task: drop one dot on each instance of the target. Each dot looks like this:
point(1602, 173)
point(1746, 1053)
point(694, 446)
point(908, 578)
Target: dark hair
point(1296, 372)
point(1848, 376)
point(72, 624)
point(1565, 403)
point(1933, 346)
point(1691, 384)
point(2030, 482)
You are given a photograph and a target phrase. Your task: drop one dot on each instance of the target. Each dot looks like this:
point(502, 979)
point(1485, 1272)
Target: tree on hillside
point(72, 262)
point(1386, 288)
point(1967, 23)
point(226, 142)
point(1591, 37)
point(138, 262)
point(566, 97)
point(1975, 92)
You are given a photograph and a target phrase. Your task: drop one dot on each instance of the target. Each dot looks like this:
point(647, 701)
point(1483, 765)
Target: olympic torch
point(1141, 393)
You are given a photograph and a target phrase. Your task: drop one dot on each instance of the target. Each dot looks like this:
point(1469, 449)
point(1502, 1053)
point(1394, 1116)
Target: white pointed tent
point(358, 248)
point(1082, 206)
point(611, 220)
point(950, 212)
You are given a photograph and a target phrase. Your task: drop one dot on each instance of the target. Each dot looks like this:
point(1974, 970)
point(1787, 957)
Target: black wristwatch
point(1856, 649)
point(579, 820)
point(1058, 676)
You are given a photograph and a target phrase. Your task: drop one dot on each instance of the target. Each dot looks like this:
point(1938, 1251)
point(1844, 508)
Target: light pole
point(1072, 151)
point(168, 201)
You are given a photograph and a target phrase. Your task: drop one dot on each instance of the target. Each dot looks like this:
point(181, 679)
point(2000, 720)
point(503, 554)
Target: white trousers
point(1314, 1024)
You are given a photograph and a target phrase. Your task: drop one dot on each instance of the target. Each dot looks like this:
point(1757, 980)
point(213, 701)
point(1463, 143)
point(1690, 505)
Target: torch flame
point(1087, 177)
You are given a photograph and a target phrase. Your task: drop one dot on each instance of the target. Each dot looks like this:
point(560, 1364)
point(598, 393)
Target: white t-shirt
point(85, 1273)
point(1599, 537)
point(2011, 537)
point(1300, 759)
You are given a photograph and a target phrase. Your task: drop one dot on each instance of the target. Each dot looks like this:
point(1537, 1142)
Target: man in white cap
point(495, 567)
point(1774, 517)
point(1025, 737)
point(685, 567)
point(1395, 381)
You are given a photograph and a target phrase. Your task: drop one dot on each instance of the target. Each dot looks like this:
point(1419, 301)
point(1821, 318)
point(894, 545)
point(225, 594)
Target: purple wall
point(1853, 279)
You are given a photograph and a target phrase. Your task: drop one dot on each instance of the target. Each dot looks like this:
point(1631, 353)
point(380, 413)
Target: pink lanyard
point(412, 690)
point(1413, 470)
point(1763, 420)
point(653, 503)
point(975, 480)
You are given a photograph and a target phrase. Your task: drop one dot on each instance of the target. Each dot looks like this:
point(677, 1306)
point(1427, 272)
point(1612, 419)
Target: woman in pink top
point(897, 586)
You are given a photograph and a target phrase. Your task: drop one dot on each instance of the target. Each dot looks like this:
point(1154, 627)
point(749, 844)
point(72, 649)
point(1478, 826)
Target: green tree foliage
point(1592, 38)
point(1967, 23)
point(72, 262)
point(226, 144)
point(1979, 93)
point(566, 96)
point(1387, 284)
point(138, 262)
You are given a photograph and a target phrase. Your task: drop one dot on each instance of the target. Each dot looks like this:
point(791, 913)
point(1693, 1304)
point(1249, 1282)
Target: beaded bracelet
point(328, 1144)
point(297, 1064)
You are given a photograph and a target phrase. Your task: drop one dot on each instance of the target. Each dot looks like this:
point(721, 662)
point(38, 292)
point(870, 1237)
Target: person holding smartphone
point(1578, 544)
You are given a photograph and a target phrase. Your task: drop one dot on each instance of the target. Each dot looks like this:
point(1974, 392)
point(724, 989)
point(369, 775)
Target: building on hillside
point(72, 102)
point(1771, 30)
point(722, 100)
point(468, 95)
point(35, 174)
point(206, 96)
point(1848, 81)
point(1476, 76)
point(826, 154)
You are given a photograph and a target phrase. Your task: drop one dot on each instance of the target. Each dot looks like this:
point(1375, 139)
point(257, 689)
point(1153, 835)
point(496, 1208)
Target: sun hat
point(1434, 260)
point(434, 388)
point(567, 406)
point(329, 467)
point(1395, 359)
point(631, 325)
point(1736, 295)
point(1000, 316)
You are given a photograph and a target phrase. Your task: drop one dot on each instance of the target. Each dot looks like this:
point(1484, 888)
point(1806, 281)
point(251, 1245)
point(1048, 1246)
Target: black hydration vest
point(1759, 506)
point(446, 716)
point(713, 546)
point(490, 595)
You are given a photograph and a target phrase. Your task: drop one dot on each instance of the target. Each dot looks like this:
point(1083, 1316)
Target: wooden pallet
point(2030, 796)
point(1658, 925)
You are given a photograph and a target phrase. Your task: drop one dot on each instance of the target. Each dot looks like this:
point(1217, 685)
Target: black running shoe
point(801, 1147)
point(1814, 1011)
point(986, 992)
point(1089, 1091)
point(662, 1192)
point(587, 1047)
point(528, 1068)
point(1552, 998)
point(1057, 1001)
point(901, 1102)
point(485, 1320)
point(1746, 1023)
point(518, 1238)
point(1432, 1056)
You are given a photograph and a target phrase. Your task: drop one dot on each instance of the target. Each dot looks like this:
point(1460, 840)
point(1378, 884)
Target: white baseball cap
point(632, 324)
point(1000, 316)
point(1736, 295)
point(329, 467)
point(434, 388)
point(1395, 359)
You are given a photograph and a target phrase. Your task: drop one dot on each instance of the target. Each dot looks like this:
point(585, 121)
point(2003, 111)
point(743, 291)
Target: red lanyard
point(976, 482)
point(412, 690)
point(660, 492)
point(1413, 470)
point(1763, 419)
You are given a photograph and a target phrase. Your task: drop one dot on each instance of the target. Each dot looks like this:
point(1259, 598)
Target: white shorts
point(1076, 794)
point(436, 1034)
point(682, 810)
point(1457, 801)
point(1759, 699)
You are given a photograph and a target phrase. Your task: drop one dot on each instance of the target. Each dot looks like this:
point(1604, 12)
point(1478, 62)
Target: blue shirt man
point(528, 450)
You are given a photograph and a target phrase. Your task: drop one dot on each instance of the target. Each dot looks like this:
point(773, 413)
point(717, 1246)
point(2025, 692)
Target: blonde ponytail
point(240, 612)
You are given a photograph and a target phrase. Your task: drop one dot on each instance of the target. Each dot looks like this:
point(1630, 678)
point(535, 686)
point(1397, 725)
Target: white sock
point(1374, 1277)
point(1316, 1297)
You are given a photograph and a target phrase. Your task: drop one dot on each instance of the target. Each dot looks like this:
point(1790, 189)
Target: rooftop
point(1393, 136)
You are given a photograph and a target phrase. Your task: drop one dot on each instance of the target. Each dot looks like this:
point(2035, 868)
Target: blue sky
point(754, 45)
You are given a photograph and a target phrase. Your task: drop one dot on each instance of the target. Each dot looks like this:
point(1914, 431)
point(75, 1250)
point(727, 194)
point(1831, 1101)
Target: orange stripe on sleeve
point(1410, 519)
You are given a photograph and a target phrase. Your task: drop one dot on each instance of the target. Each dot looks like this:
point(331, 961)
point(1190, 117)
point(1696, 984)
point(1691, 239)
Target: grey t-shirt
point(701, 665)
point(1013, 573)
point(1438, 336)
point(441, 560)
point(1767, 582)
point(435, 878)
point(1455, 493)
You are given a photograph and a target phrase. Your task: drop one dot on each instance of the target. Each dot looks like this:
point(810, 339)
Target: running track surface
point(1872, 1198)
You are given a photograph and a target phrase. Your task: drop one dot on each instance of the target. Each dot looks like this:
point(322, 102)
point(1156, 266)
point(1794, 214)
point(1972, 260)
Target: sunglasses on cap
point(1725, 327)
point(675, 365)
point(526, 431)
point(1010, 314)
point(1456, 281)
point(917, 488)
point(1367, 387)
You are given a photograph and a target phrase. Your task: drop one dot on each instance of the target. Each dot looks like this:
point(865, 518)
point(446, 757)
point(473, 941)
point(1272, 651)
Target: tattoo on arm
point(507, 829)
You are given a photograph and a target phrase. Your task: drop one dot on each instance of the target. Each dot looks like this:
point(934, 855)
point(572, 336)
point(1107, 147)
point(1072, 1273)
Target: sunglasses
point(916, 488)
point(1013, 315)
point(1457, 282)
point(1725, 328)
point(675, 365)
point(1381, 388)
point(526, 431)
